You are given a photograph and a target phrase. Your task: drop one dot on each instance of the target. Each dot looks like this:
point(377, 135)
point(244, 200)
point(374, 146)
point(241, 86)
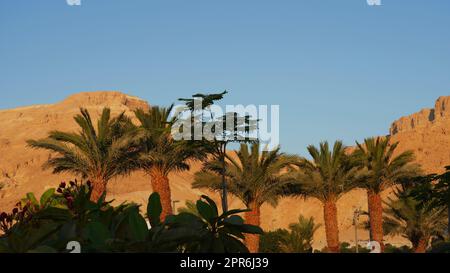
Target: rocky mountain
point(425, 132)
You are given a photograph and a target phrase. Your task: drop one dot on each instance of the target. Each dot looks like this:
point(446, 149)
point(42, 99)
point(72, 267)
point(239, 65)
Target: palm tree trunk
point(421, 245)
point(253, 218)
point(160, 184)
point(375, 217)
point(98, 189)
point(331, 226)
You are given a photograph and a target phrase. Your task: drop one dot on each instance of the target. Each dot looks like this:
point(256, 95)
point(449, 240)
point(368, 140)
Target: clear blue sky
point(339, 69)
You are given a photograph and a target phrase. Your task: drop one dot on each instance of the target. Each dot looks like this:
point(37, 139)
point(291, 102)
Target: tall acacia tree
point(254, 177)
point(161, 154)
point(223, 130)
point(383, 170)
point(329, 175)
point(97, 154)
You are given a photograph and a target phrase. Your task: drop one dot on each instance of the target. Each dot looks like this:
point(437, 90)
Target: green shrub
point(440, 245)
point(67, 214)
point(346, 248)
point(270, 242)
point(298, 239)
point(388, 248)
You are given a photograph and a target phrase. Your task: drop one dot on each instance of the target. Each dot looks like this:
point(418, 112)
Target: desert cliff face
point(20, 167)
point(427, 133)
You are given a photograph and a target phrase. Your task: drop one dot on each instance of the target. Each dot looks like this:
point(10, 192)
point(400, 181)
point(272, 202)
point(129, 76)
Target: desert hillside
point(425, 132)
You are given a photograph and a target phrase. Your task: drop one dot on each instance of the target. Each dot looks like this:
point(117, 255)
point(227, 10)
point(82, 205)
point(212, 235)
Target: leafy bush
point(270, 242)
point(388, 248)
point(346, 248)
point(440, 245)
point(68, 214)
point(298, 239)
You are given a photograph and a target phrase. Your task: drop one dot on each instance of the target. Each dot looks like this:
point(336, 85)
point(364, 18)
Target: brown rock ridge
point(21, 172)
point(427, 133)
point(425, 118)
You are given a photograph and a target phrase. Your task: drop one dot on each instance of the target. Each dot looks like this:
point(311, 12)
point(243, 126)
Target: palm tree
point(300, 238)
point(161, 154)
point(416, 221)
point(253, 176)
point(329, 175)
point(95, 154)
point(383, 170)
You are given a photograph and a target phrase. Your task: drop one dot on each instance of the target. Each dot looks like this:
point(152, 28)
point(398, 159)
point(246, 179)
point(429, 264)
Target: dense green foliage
point(98, 153)
point(419, 222)
point(253, 176)
point(347, 248)
point(440, 246)
point(383, 167)
point(271, 241)
point(68, 214)
point(434, 190)
point(102, 152)
point(330, 174)
point(157, 148)
point(298, 239)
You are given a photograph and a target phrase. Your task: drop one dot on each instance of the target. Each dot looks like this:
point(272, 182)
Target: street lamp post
point(356, 215)
point(174, 203)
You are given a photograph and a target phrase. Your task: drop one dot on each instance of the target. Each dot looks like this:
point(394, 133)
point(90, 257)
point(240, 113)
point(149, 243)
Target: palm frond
point(104, 152)
point(253, 176)
point(329, 175)
point(383, 167)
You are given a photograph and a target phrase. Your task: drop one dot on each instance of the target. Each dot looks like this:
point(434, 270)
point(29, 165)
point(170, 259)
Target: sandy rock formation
point(20, 166)
point(427, 133)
